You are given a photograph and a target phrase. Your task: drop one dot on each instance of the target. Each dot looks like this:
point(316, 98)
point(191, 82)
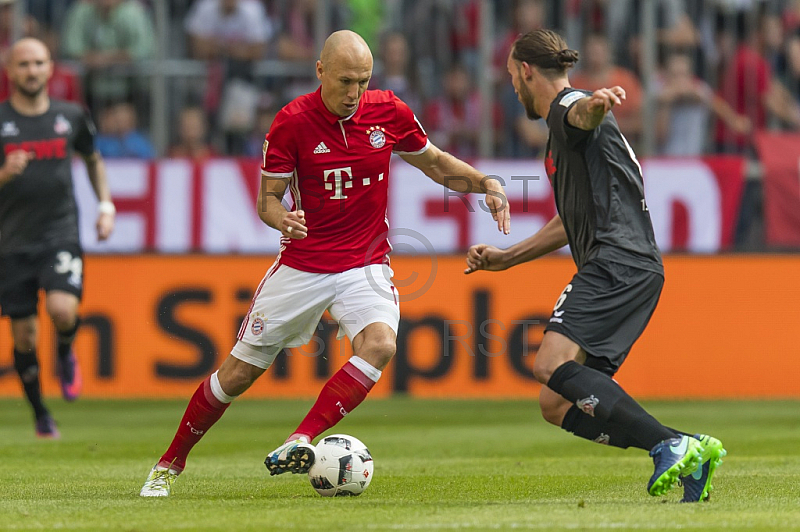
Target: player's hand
point(485, 257)
point(17, 162)
point(104, 225)
point(293, 225)
point(602, 100)
point(498, 206)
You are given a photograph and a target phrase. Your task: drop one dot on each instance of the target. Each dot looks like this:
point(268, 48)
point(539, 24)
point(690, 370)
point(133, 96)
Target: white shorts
point(289, 303)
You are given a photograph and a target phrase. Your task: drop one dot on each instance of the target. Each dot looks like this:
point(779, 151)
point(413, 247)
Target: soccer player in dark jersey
point(602, 215)
point(39, 244)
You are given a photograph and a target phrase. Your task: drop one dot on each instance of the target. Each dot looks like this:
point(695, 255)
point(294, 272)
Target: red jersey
point(339, 171)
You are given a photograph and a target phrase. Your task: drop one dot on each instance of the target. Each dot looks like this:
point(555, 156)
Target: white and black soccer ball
point(342, 466)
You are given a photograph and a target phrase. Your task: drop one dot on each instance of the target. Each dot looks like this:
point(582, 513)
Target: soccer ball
point(342, 466)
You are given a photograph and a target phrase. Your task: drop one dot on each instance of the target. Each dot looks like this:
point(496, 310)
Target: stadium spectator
point(264, 118)
point(791, 75)
point(332, 148)
point(465, 33)
point(234, 30)
point(30, 27)
point(192, 135)
point(40, 248)
point(453, 119)
point(6, 27)
point(749, 86)
point(365, 17)
point(519, 137)
point(394, 74)
point(296, 38)
point(118, 136)
point(598, 71)
point(232, 35)
point(685, 103)
point(104, 34)
point(527, 15)
point(623, 26)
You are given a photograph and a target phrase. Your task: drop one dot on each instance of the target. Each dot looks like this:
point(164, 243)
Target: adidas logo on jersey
point(321, 148)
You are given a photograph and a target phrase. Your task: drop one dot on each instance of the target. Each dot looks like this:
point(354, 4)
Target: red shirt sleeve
point(279, 154)
point(411, 137)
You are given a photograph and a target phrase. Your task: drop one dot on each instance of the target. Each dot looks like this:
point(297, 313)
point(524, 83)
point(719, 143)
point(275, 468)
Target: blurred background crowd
point(200, 78)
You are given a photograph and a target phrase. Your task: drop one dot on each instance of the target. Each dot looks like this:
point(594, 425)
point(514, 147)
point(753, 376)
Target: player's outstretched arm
point(549, 238)
point(274, 214)
point(457, 175)
point(590, 111)
point(106, 212)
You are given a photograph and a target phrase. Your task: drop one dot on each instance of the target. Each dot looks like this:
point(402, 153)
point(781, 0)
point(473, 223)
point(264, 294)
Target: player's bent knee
point(63, 318)
point(553, 412)
point(243, 367)
point(378, 352)
point(542, 369)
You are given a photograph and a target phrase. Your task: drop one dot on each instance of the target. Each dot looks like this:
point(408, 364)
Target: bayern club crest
point(258, 326)
point(377, 136)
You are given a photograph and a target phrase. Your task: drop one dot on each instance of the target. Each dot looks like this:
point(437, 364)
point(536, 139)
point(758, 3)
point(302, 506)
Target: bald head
point(28, 45)
point(345, 46)
point(29, 67)
point(344, 68)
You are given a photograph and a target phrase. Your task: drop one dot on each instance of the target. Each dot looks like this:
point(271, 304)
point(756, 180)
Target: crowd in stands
point(724, 69)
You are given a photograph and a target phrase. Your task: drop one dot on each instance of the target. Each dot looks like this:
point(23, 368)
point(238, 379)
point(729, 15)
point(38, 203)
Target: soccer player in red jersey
point(332, 149)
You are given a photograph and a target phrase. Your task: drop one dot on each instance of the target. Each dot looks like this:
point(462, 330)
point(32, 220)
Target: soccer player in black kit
point(39, 244)
point(602, 215)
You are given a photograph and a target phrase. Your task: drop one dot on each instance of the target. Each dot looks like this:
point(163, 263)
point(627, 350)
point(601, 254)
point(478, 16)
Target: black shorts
point(22, 275)
point(605, 309)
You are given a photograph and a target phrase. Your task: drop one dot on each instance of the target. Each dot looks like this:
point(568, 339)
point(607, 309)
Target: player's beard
point(30, 93)
point(526, 98)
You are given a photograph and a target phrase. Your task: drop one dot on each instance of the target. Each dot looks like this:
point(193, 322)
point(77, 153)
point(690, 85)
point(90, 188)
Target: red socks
point(340, 395)
point(203, 411)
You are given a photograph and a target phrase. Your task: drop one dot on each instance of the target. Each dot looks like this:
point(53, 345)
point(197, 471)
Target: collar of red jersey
point(333, 118)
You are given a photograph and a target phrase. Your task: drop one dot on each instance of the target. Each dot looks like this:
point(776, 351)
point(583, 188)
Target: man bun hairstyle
point(546, 50)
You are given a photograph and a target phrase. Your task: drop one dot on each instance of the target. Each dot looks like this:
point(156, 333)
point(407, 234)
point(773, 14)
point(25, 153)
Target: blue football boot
point(673, 458)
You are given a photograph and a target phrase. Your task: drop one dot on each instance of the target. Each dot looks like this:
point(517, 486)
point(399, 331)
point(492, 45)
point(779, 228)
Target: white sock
point(218, 392)
point(366, 368)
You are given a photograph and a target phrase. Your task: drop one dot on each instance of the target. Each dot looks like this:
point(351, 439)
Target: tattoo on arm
point(585, 118)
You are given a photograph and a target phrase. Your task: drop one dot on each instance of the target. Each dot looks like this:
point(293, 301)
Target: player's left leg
point(62, 307)
point(207, 405)
point(60, 272)
point(367, 310)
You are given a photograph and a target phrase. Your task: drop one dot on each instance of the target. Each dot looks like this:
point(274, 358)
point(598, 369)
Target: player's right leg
point(19, 299)
point(23, 330)
point(209, 402)
point(285, 311)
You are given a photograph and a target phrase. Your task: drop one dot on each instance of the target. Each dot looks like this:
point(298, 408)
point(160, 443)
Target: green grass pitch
point(439, 465)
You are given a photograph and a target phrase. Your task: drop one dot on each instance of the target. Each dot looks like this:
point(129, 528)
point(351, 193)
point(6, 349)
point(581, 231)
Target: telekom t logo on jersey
point(342, 178)
point(339, 174)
